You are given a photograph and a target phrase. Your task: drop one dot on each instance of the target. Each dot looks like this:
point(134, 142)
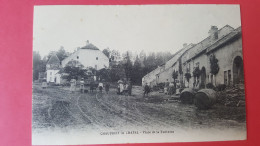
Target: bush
point(210, 86)
point(221, 87)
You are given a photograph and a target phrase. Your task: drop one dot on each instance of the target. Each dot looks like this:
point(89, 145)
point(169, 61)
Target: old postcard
point(106, 74)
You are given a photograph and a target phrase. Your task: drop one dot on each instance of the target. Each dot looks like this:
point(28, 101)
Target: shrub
point(221, 87)
point(210, 86)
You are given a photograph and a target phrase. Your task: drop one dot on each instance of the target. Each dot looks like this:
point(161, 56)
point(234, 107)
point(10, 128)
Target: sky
point(151, 28)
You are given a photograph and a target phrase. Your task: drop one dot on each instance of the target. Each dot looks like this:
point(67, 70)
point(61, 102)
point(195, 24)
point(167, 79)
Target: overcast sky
point(131, 27)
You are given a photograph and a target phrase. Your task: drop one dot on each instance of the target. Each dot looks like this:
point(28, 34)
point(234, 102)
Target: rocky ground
point(56, 107)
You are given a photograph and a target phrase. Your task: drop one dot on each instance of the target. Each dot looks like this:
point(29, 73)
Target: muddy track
point(123, 113)
point(132, 111)
point(96, 112)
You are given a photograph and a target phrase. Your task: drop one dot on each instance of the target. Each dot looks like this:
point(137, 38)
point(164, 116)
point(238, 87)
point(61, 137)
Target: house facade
point(53, 66)
point(89, 56)
point(225, 45)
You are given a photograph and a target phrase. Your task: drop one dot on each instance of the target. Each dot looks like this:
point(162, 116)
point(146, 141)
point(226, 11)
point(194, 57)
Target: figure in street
point(107, 87)
point(146, 90)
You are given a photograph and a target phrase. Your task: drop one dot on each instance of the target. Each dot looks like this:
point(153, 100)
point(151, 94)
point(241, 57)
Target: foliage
point(196, 72)
point(136, 76)
point(180, 66)
point(174, 75)
point(214, 67)
point(39, 65)
point(187, 76)
point(128, 66)
point(62, 54)
point(74, 70)
point(210, 86)
point(104, 74)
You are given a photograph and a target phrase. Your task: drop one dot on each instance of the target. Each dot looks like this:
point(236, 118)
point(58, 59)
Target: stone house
point(172, 65)
point(53, 66)
point(150, 78)
point(225, 44)
point(89, 56)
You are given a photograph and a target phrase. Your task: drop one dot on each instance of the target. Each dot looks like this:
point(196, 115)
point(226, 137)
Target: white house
point(52, 68)
point(89, 56)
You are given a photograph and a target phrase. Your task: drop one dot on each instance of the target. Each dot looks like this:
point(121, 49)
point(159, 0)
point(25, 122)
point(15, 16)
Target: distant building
point(172, 65)
point(88, 56)
point(52, 68)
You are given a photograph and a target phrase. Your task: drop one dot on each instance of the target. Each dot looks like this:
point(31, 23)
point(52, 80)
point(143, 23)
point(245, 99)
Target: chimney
point(185, 45)
point(213, 33)
point(87, 42)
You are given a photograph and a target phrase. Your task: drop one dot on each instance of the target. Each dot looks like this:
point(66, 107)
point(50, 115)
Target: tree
point(214, 67)
point(62, 54)
point(103, 74)
point(188, 76)
point(174, 76)
point(38, 65)
point(128, 66)
point(137, 72)
point(180, 72)
point(74, 70)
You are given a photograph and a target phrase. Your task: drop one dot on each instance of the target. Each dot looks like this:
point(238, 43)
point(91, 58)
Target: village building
point(165, 76)
point(150, 78)
point(89, 56)
point(224, 44)
point(53, 66)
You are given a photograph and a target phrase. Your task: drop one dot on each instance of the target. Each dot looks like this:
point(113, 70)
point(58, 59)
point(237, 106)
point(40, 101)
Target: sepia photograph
point(109, 74)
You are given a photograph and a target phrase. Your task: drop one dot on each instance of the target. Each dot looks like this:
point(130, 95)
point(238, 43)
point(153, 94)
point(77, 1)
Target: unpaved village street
point(56, 107)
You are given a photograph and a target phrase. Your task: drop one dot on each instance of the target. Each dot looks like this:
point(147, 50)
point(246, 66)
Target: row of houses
point(224, 44)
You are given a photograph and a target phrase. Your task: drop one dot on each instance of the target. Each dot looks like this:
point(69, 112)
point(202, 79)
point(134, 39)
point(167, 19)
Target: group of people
point(124, 88)
point(92, 86)
point(101, 86)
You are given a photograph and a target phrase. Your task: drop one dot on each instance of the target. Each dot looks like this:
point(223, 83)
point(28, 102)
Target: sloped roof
point(204, 44)
point(90, 46)
point(226, 39)
point(54, 59)
point(177, 55)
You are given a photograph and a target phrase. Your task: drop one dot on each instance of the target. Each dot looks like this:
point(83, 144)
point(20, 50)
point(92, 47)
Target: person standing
point(100, 86)
point(82, 88)
point(146, 90)
point(121, 88)
point(72, 85)
point(107, 87)
point(130, 88)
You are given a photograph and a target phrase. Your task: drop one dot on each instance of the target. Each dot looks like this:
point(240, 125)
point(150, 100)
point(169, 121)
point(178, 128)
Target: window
point(211, 79)
point(229, 77)
point(50, 73)
point(225, 78)
point(198, 64)
point(96, 58)
point(77, 57)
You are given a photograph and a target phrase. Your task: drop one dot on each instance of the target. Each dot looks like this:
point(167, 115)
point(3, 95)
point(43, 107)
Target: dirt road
point(57, 107)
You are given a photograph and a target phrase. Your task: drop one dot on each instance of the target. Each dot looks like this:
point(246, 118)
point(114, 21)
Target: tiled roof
point(90, 46)
point(234, 34)
point(176, 56)
point(54, 59)
point(204, 44)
